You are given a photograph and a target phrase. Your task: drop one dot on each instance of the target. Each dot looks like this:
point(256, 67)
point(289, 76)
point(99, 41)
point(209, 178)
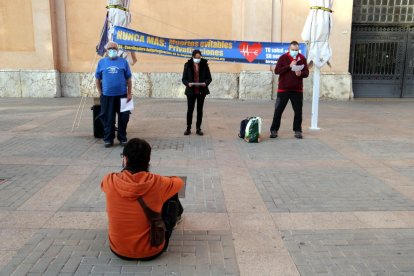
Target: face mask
point(293, 53)
point(196, 60)
point(112, 53)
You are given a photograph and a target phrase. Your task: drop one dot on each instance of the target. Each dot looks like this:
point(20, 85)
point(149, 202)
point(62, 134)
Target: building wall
point(54, 43)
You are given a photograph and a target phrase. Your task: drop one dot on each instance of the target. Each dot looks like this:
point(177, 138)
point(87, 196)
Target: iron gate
point(381, 61)
point(408, 83)
point(382, 48)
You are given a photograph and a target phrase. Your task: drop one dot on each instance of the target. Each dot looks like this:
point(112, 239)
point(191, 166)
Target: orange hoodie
point(129, 229)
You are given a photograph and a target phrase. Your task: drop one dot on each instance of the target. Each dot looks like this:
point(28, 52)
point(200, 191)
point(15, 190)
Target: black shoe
point(273, 134)
point(123, 143)
point(187, 132)
point(200, 132)
point(298, 135)
point(108, 144)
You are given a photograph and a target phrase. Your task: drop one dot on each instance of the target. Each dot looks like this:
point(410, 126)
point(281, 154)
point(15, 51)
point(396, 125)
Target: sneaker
point(180, 218)
point(187, 131)
point(108, 144)
point(273, 134)
point(200, 132)
point(298, 134)
point(123, 143)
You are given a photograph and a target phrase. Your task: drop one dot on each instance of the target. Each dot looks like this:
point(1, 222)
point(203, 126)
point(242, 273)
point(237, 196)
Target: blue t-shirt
point(114, 74)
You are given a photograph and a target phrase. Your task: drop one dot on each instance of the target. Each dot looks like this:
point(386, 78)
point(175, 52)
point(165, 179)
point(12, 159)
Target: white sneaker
point(180, 218)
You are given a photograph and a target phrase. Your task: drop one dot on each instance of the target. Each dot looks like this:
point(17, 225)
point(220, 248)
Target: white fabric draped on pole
point(316, 33)
point(119, 15)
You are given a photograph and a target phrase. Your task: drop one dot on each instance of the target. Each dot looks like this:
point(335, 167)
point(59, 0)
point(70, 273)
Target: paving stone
point(22, 182)
point(46, 146)
point(89, 197)
point(380, 149)
point(327, 190)
point(289, 149)
point(375, 256)
point(315, 174)
point(73, 259)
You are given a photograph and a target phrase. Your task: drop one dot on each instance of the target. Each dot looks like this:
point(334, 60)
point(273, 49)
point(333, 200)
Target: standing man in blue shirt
point(113, 81)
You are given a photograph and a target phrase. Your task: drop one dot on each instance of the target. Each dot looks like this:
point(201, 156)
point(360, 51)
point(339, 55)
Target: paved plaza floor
point(338, 202)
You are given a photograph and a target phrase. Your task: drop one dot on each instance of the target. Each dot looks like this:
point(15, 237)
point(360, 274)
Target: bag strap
point(151, 215)
point(144, 206)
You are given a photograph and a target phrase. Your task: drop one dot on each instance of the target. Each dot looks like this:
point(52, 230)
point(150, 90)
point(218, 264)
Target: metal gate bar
point(377, 60)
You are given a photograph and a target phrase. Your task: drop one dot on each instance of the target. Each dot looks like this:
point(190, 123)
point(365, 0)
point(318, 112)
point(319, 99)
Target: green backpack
point(253, 130)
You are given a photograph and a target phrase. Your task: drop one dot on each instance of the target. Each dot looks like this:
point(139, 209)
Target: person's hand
point(129, 97)
point(293, 63)
point(298, 73)
point(190, 84)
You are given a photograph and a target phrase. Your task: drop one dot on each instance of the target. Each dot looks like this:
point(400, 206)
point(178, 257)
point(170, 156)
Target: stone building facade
point(47, 47)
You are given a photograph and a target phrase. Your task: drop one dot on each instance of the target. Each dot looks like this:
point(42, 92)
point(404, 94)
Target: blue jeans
point(110, 106)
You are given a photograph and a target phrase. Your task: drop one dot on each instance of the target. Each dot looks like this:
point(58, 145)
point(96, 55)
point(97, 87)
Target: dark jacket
point(204, 76)
point(288, 81)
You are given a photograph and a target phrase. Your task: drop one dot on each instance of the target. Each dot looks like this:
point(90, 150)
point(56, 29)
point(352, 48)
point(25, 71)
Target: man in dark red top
point(291, 75)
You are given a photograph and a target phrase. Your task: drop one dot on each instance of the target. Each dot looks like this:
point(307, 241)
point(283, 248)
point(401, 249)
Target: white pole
point(315, 98)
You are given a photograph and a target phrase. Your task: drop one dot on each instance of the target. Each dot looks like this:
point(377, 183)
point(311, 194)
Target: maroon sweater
point(288, 81)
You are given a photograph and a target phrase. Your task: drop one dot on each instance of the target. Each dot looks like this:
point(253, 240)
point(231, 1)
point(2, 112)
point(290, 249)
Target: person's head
point(294, 48)
point(136, 155)
point(196, 56)
point(112, 49)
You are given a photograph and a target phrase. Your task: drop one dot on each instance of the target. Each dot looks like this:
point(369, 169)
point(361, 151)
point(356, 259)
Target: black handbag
point(157, 225)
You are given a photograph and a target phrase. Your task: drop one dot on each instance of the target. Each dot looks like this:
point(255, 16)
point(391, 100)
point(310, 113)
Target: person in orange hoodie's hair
point(129, 228)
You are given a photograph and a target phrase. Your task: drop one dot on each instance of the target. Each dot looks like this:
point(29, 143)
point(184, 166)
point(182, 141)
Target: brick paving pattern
point(326, 190)
point(250, 209)
point(187, 148)
point(86, 252)
point(289, 149)
point(406, 171)
point(385, 149)
point(352, 252)
point(23, 181)
point(28, 146)
point(203, 190)
point(89, 196)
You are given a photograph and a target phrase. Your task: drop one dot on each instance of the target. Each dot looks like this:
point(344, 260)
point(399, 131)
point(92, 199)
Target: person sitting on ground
point(129, 228)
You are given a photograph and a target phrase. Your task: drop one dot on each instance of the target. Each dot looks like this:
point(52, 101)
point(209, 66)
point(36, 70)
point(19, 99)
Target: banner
point(211, 49)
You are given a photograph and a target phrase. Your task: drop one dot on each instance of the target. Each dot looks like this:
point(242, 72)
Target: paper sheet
point(127, 106)
point(296, 68)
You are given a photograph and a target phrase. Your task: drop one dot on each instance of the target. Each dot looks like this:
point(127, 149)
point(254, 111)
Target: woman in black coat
point(196, 78)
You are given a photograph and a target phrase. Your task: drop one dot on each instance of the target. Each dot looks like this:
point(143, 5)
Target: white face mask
point(196, 60)
point(293, 53)
point(112, 53)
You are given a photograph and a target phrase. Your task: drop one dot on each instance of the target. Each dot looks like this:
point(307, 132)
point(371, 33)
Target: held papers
point(127, 106)
point(296, 68)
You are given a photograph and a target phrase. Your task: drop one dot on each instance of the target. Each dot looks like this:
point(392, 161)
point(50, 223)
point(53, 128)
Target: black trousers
point(191, 100)
point(171, 209)
point(110, 106)
point(296, 99)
